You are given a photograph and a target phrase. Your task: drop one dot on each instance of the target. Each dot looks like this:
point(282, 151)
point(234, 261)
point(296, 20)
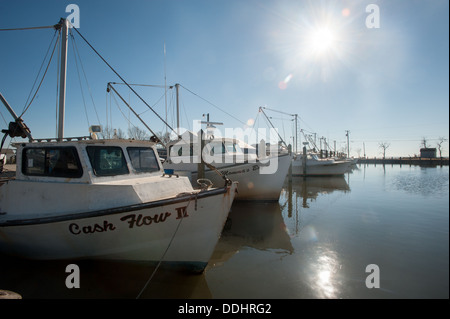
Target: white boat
point(259, 178)
point(109, 200)
point(312, 165)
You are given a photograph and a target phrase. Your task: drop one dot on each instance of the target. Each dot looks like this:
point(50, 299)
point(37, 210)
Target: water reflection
point(309, 188)
point(98, 279)
point(321, 269)
point(324, 269)
point(256, 225)
point(299, 192)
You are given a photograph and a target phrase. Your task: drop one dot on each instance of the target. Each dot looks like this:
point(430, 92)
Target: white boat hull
point(182, 231)
point(313, 168)
point(252, 183)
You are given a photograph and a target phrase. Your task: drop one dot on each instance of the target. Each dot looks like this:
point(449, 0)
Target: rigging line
point(187, 119)
point(253, 127)
point(212, 104)
point(3, 118)
point(134, 112)
point(266, 108)
point(79, 81)
point(122, 79)
point(30, 28)
point(156, 103)
point(273, 127)
point(149, 85)
point(42, 80)
point(123, 114)
point(40, 69)
point(85, 77)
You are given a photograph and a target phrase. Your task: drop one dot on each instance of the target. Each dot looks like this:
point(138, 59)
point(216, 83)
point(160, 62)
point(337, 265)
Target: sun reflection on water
point(325, 277)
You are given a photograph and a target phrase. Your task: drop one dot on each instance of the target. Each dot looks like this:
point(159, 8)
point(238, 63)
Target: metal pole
point(296, 134)
point(134, 112)
point(177, 89)
point(62, 78)
point(348, 144)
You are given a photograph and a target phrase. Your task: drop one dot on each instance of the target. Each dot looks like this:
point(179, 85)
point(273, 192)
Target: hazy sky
point(319, 59)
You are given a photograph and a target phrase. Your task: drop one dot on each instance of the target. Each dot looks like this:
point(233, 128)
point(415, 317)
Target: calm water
point(316, 242)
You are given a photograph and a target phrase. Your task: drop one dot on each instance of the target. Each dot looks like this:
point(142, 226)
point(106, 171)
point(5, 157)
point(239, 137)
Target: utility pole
point(348, 144)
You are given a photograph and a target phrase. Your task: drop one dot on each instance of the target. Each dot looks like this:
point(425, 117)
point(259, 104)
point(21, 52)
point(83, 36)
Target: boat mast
point(348, 143)
point(296, 134)
point(64, 23)
point(177, 89)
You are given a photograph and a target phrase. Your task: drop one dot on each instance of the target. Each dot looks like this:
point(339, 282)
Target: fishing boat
point(259, 178)
point(87, 198)
point(309, 164)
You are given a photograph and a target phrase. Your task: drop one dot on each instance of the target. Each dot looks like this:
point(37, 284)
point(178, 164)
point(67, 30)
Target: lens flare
point(346, 12)
point(283, 84)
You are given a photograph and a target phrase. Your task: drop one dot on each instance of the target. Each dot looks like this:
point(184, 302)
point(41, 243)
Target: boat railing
point(65, 139)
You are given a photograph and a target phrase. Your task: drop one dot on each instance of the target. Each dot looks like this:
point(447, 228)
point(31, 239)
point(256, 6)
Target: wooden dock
point(406, 161)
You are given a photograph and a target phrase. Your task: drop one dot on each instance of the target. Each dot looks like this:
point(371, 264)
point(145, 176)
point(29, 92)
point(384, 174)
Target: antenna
point(165, 81)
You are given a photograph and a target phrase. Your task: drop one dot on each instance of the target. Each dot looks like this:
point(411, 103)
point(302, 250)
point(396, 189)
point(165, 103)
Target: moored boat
point(259, 178)
point(312, 165)
point(85, 198)
point(107, 199)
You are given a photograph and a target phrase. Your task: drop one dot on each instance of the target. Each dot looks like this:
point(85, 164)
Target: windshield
point(233, 148)
point(143, 159)
point(107, 160)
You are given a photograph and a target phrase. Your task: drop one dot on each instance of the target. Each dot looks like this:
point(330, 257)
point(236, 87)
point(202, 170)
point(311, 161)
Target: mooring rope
point(193, 195)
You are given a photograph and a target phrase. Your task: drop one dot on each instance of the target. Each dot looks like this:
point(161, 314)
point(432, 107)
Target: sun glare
point(321, 40)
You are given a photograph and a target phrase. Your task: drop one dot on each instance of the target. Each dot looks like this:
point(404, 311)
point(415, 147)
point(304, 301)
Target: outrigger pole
point(109, 87)
point(261, 110)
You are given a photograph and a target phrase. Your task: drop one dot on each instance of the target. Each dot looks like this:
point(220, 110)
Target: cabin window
point(179, 150)
point(233, 148)
point(217, 148)
point(107, 160)
point(143, 159)
point(52, 162)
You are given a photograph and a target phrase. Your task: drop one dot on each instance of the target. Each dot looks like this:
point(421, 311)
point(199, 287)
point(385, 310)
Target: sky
point(378, 69)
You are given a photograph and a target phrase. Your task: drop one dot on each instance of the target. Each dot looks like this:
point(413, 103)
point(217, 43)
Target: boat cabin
point(86, 161)
point(216, 151)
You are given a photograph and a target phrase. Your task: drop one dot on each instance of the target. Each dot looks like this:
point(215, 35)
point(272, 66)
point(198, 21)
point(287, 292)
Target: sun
point(321, 40)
